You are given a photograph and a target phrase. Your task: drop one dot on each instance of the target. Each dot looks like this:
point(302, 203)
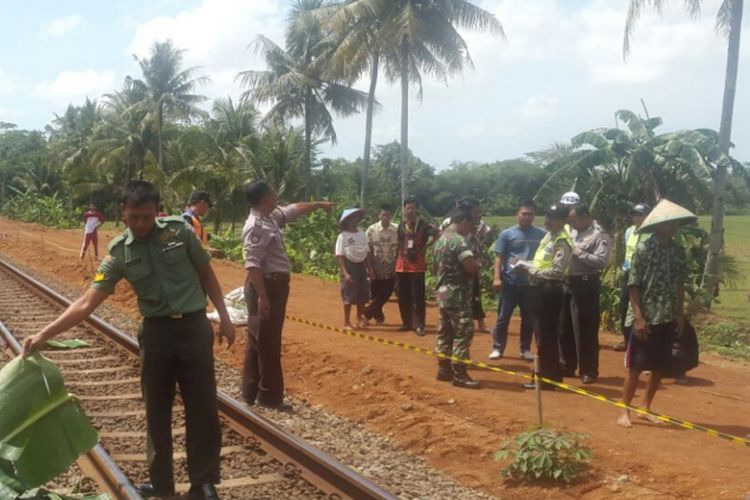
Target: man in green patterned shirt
point(455, 266)
point(656, 283)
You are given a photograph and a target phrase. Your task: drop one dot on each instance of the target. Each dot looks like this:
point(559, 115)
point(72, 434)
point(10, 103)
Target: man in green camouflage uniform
point(455, 267)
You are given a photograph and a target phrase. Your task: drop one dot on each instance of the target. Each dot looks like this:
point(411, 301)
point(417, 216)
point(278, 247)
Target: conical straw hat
point(666, 211)
point(356, 213)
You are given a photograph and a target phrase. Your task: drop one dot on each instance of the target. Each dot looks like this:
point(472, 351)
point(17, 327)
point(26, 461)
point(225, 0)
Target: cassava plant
point(543, 454)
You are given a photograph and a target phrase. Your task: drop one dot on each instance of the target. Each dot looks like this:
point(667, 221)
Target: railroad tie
point(97, 370)
point(86, 360)
point(238, 482)
point(178, 431)
point(113, 397)
point(93, 383)
point(116, 414)
point(141, 457)
point(52, 353)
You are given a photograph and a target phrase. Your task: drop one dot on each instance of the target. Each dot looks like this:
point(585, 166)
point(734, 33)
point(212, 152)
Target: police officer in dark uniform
point(547, 274)
point(170, 273)
point(267, 291)
point(579, 337)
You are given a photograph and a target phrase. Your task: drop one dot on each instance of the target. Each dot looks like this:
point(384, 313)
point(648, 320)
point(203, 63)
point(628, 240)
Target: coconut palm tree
point(70, 134)
point(417, 38)
point(356, 50)
point(295, 83)
point(170, 89)
point(218, 156)
point(126, 137)
point(728, 24)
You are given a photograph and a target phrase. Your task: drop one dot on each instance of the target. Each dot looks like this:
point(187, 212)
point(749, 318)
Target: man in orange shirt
point(414, 238)
point(198, 206)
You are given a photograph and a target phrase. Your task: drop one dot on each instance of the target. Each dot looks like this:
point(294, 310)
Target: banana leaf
point(43, 428)
point(67, 344)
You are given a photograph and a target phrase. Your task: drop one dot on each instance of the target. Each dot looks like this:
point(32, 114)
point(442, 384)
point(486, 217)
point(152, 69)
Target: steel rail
point(95, 463)
point(319, 468)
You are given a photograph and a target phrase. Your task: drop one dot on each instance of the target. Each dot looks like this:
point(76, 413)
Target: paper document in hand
point(520, 264)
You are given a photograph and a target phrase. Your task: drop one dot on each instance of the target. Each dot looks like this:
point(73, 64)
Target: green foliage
point(500, 186)
point(230, 243)
point(34, 207)
point(310, 241)
point(545, 455)
point(613, 168)
point(727, 338)
point(609, 306)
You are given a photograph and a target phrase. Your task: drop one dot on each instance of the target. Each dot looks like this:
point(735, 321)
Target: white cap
point(570, 198)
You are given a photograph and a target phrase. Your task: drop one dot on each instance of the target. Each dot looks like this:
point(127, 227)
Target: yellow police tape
point(583, 392)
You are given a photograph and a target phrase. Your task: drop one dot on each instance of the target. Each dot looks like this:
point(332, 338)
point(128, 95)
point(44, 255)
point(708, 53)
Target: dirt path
point(395, 393)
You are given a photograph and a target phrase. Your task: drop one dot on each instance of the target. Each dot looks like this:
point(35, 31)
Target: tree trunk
point(368, 127)
point(159, 128)
point(306, 161)
point(404, 119)
point(217, 222)
point(712, 272)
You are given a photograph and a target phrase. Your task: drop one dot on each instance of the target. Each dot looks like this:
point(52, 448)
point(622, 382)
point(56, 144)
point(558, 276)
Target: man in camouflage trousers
point(455, 267)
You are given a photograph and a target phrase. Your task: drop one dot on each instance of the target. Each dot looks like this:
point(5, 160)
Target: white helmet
point(570, 198)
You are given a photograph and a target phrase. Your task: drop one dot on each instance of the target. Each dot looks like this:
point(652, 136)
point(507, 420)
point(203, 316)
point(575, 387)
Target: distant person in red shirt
point(414, 237)
point(92, 219)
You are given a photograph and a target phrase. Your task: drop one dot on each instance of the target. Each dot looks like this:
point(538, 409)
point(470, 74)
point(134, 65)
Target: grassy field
point(733, 303)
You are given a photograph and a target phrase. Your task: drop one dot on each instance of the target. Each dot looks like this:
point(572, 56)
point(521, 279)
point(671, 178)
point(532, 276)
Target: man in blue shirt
point(517, 242)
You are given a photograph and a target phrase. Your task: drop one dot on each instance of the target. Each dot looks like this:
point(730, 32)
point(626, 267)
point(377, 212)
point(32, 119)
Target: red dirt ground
point(394, 392)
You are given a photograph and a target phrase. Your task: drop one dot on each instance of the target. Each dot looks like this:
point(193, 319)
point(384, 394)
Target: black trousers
point(380, 292)
point(547, 300)
point(262, 378)
point(581, 305)
point(624, 302)
point(180, 351)
point(476, 299)
point(411, 301)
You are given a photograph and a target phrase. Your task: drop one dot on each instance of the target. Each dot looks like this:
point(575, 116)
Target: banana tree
point(612, 168)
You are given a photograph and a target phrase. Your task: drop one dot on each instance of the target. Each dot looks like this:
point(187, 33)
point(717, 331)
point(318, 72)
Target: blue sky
point(560, 70)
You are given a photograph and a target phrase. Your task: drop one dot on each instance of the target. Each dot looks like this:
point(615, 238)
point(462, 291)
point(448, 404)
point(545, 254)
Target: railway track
point(259, 460)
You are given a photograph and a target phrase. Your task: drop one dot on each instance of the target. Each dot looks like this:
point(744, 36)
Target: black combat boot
point(445, 372)
point(462, 379)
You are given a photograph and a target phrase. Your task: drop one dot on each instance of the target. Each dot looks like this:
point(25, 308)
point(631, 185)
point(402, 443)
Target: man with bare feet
point(656, 313)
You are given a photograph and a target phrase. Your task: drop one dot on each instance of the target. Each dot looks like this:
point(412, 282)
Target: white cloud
point(590, 38)
point(9, 115)
point(8, 82)
point(540, 107)
point(215, 36)
point(60, 26)
point(473, 131)
point(73, 86)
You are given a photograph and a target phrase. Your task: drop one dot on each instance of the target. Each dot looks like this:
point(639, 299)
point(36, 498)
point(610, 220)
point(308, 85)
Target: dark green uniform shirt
point(453, 282)
point(162, 269)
